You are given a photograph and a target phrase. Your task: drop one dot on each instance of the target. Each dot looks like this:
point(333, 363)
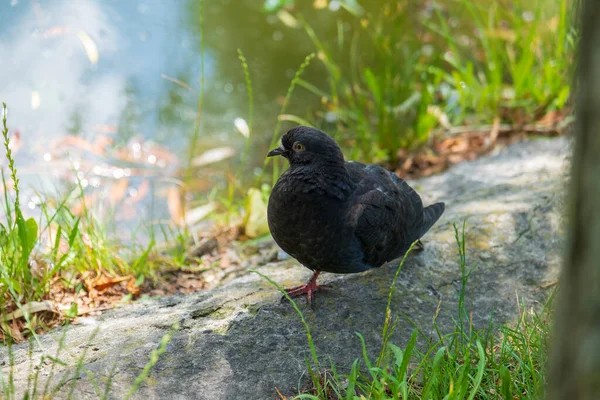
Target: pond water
point(101, 90)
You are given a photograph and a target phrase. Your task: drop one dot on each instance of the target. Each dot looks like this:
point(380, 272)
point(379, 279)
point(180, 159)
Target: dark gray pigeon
point(338, 216)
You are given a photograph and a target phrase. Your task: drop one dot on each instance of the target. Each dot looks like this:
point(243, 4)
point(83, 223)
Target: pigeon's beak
point(276, 152)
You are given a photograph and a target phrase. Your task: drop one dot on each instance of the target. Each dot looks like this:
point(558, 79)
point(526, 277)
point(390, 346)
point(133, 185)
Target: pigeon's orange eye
point(297, 146)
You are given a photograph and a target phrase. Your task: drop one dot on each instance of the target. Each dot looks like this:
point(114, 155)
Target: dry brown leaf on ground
point(103, 281)
point(554, 117)
point(132, 287)
point(281, 396)
point(466, 143)
point(14, 329)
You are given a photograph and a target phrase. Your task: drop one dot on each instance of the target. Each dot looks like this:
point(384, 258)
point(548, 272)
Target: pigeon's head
point(304, 145)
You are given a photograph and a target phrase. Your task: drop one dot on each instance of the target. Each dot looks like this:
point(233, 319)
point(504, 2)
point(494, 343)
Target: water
point(105, 90)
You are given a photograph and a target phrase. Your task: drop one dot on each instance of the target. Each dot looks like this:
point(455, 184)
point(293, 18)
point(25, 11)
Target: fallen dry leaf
point(103, 282)
point(132, 287)
point(281, 396)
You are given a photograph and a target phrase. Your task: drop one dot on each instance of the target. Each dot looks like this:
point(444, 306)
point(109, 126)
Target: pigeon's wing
point(430, 213)
point(386, 213)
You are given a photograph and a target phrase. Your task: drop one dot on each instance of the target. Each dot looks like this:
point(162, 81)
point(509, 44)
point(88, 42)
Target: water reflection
point(100, 92)
point(80, 66)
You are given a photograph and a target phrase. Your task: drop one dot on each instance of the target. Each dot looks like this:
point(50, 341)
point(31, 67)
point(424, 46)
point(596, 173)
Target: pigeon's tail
point(430, 215)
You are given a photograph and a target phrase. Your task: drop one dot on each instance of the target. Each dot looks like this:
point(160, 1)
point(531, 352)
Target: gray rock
point(240, 341)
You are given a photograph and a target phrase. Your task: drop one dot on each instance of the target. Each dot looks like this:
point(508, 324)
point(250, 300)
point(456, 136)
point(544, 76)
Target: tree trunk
point(574, 371)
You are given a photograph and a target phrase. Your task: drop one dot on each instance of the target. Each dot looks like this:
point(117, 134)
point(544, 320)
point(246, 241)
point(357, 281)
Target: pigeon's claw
point(308, 288)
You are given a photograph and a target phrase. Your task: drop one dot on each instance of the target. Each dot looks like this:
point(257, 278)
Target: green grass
point(398, 74)
point(18, 282)
point(516, 65)
point(60, 248)
point(461, 364)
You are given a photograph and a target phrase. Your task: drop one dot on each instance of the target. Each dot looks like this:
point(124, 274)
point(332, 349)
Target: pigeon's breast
point(311, 228)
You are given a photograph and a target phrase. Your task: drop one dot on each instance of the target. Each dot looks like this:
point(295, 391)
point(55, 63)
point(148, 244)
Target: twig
point(176, 81)
point(91, 310)
point(30, 308)
point(506, 128)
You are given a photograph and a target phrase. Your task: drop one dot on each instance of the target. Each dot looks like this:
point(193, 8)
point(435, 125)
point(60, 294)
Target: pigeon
point(337, 216)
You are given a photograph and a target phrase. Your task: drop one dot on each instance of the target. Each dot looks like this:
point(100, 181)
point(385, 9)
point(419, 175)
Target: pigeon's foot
point(419, 246)
point(308, 288)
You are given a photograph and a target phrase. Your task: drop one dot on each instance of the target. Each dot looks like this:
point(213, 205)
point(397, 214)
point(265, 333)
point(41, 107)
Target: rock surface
point(240, 341)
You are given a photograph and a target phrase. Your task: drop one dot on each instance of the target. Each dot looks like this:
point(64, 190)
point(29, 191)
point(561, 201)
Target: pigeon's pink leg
point(309, 288)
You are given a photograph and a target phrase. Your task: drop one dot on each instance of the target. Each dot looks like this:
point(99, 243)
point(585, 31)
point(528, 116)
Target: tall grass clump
point(23, 280)
point(58, 249)
point(507, 60)
point(18, 237)
point(402, 71)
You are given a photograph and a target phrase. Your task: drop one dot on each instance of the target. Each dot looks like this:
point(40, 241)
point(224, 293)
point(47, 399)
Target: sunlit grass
point(402, 72)
point(516, 64)
point(18, 282)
